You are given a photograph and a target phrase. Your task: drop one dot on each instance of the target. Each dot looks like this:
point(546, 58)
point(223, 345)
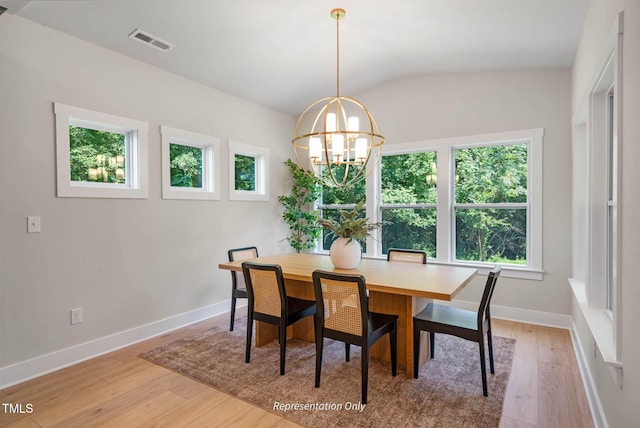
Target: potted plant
point(298, 209)
point(351, 231)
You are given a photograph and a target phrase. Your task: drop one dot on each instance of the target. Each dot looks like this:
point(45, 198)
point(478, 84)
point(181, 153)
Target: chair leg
point(282, 334)
point(483, 366)
point(249, 335)
point(416, 350)
point(319, 343)
point(233, 310)
point(490, 344)
point(393, 341)
point(347, 352)
point(365, 372)
point(432, 344)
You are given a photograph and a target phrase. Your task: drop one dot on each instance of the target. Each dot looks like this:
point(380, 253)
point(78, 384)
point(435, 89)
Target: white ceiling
point(281, 53)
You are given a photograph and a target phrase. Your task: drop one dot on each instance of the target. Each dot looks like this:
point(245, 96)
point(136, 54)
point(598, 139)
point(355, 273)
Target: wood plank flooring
point(121, 390)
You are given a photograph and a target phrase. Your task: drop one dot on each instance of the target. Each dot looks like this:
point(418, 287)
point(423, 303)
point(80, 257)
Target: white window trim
point(444, 232)
point(137, 160)
point(588, 284)
point(261, 154)
point(210, 146)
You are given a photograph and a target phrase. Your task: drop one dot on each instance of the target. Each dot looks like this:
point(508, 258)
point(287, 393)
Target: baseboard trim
point(520, 315)
point(38, 366)
point(595, 405)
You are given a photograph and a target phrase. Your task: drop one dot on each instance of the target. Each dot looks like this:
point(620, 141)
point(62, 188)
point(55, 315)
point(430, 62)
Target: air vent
point(151, 40)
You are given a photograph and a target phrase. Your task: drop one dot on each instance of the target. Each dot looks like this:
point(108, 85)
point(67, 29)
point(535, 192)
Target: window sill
point(483, 268)
point(602, 329)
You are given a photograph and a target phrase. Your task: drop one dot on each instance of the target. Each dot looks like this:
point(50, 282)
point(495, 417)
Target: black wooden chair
point(406, 255)
point(465, 324)
point(343, 314)
point(268, 302)
point(238, 287)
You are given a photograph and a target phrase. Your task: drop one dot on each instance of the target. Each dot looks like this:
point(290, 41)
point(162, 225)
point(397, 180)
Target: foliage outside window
point(491, 204)
point(185, 165)
point(190, 165)
point(248, 172)
point(96, 156)
point(99, 155)
point(245, 171)
point(409, 196)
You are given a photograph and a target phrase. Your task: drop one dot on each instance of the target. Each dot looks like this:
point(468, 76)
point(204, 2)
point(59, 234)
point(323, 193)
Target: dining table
point(400, 288)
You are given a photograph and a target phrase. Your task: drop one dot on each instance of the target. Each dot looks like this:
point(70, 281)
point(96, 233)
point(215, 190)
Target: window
point(190, 165)
point(248, 172)
point(470, 200)
point(335, 199)
point(490, 207)
point(408, 201)
point(99, 155)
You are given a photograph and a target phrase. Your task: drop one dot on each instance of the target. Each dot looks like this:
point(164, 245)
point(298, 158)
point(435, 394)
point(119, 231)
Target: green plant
point(351, 225)
point(298, 211)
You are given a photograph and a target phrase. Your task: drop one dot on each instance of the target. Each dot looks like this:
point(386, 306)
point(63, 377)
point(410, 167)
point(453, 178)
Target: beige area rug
point(448, 393)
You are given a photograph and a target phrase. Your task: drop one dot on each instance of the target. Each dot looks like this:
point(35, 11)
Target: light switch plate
point(33, 224)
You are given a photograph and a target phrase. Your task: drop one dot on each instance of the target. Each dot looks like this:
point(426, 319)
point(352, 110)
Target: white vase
point(345, 255)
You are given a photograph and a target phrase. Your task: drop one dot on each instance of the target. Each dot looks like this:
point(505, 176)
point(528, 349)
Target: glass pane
point(492, 235)
point(186, 166)
point(410, 228)
point(409, 178)
point(492, 174)
point(245, 172)
point(342, 195)
point(96, 156)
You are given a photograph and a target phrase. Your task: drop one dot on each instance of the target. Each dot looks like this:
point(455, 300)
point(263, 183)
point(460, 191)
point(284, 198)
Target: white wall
point(618, 405)
point(452, 105)
point(127, 263)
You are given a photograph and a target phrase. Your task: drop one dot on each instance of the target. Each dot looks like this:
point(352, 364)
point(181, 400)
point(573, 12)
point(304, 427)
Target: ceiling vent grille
point(151, 40)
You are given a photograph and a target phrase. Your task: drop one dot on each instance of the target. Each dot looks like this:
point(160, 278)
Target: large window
point(100, 155)
point(490, 208)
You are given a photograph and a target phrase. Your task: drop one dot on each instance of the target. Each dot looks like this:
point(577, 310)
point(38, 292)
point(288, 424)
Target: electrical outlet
point(76, 316)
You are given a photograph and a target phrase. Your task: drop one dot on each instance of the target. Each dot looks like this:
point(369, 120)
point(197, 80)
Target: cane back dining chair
point(238, 287)
point(268, 302)
point(462, 323)
point(406, 255)
point(343, 315)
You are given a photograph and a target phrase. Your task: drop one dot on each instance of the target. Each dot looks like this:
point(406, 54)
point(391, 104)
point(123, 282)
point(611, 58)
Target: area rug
point(447, 394)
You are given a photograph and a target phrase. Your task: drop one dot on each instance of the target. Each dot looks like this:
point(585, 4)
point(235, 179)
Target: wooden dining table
point(394, 288)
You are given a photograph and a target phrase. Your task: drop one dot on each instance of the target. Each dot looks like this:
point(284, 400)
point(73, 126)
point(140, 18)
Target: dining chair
point(469, 325)
point(406, 255)
point(343, 315)
point(238, 287)
point(268, 302)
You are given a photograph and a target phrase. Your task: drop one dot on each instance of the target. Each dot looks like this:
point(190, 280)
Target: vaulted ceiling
point(282, 53)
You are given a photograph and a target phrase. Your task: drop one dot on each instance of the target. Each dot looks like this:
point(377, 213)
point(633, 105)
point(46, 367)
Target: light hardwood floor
point(121, 390)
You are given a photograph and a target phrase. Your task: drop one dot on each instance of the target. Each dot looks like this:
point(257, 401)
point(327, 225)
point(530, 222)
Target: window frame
point(261, 155)
point(445, 224)
point(210, 146)
point(136, 154)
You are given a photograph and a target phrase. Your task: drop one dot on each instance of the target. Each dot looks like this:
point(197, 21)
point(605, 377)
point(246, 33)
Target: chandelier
point(335, 137)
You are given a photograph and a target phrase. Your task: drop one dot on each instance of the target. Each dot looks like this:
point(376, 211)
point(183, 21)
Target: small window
point(190, 165)
point(248, 172)
point(99, 155)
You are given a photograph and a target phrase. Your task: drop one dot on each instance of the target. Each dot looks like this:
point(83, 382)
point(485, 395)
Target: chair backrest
point(405, 255)
point(265, 288)
point(244, 253)
point(342, 302)
point(484, 312)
